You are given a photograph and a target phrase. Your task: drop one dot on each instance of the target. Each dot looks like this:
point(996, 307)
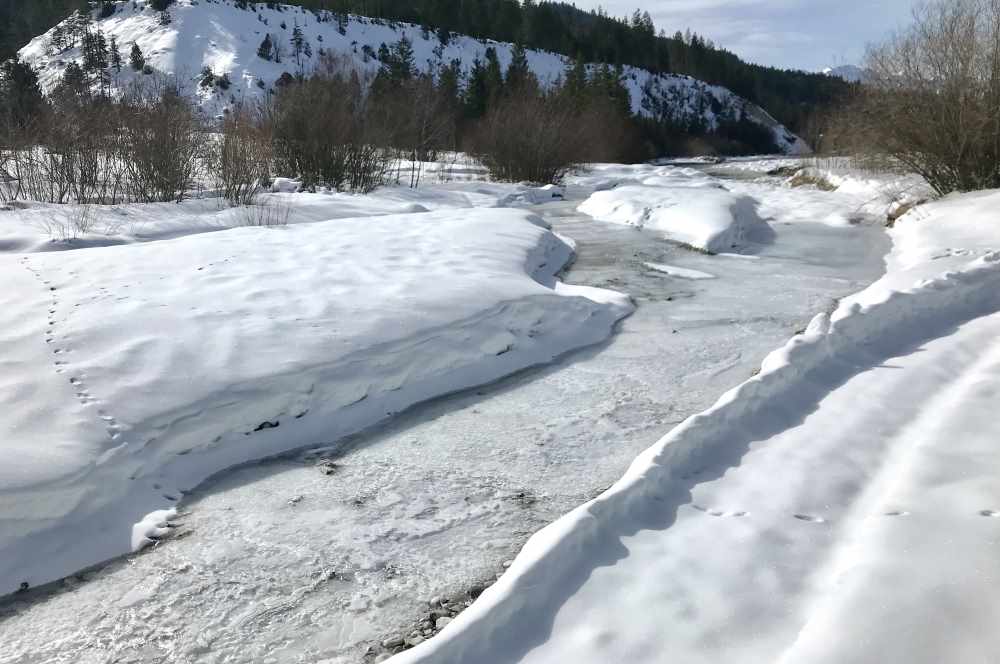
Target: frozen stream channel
point(318, 556)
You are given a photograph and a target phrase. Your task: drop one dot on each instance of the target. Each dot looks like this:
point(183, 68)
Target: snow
point(689, 211)
point(31, 226)
point(133, 372)
point(278, 561)
point(837, 507)
point(219, 35)
point(850, 73)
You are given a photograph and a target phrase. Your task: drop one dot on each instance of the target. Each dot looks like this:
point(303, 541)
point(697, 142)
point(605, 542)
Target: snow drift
point(703, 217)
point(132, 373)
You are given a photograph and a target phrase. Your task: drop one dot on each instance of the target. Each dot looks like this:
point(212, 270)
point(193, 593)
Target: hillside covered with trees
point(790, 96)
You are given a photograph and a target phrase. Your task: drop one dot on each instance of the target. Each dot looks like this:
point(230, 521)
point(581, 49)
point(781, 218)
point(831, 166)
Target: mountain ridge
point(223, 37)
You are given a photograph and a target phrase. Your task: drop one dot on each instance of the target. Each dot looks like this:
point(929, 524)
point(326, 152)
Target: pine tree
point(520, 78)
point(477, 91)
point(136, 59)
point(300, 46)
point(21, 99)
point(494, 75)
point(575, 79)
point(266, 49)
point(116, 55)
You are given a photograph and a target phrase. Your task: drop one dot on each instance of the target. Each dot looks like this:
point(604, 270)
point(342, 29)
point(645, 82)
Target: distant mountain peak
point(850, 73)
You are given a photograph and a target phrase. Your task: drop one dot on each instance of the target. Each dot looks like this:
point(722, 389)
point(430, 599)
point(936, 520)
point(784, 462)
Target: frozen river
point(318, 556)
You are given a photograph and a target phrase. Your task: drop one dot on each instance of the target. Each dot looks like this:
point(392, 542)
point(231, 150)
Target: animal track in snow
point(810, 518)
point(77, 381)
point(718, 513)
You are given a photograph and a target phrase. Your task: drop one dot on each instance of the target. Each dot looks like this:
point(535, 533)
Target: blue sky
point(804, 34)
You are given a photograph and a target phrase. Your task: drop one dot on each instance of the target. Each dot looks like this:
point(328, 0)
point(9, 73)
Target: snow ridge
point(218, 35)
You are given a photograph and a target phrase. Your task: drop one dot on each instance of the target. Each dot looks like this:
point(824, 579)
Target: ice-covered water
point(314, 557)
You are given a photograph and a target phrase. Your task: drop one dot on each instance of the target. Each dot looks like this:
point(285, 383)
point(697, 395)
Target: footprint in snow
point(810, 518)
point(718, 513)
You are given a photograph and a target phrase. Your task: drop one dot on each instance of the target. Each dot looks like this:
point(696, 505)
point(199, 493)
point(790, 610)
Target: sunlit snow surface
point(839, 507)
point(280, 561)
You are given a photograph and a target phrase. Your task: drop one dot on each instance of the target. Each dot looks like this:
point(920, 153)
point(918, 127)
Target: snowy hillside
point(850, 73)
point(225, 38)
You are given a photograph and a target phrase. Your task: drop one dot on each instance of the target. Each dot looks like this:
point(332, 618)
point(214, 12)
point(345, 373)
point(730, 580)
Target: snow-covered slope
point(841, 506)
point(850, 73)
point(131, 373)
point(219, 35)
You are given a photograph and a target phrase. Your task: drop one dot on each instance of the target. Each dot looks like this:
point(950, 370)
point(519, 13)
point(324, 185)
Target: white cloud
point(803, 34)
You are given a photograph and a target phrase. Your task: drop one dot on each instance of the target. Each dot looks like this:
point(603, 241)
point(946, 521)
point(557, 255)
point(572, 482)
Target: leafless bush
point(162, 140)
point(244, 155)
point(931, 101)
point(537, 137)
point(266, 213)
point(339, 146)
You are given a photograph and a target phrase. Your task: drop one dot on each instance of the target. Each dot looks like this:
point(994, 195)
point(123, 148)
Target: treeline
point(88, 142)
point(790, 96)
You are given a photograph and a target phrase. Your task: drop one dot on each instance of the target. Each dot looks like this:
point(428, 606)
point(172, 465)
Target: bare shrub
point(265, 213)
point(244, 155)
point(526, 138)
point(339, 145)
point(161, 140)
point(931, 100)
point(538, 136)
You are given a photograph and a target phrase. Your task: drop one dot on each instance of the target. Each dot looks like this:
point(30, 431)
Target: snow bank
point(602, 550)
point(30, 227)
point(132, 373)
point(690, 212)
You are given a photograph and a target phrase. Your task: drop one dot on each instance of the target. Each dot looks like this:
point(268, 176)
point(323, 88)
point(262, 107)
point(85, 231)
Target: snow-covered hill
point(850, 73)
point(225, 38)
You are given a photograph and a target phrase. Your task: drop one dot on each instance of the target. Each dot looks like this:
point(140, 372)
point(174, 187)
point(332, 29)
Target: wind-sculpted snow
point(220, 36)
point(837, 507)
point(132, 373)
point(692, 211)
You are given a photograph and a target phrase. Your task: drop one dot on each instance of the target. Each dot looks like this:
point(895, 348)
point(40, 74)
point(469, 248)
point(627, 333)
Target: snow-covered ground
point(318, 556)
point(841, 506)
point(224, 38)
point(133, 372)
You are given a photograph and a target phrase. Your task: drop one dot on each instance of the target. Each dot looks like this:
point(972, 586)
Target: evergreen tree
point(477, 91)
point(300, 46)
point(21, 99)
point(494, 75)
point(74, 80)
point(136, 59)
point(520, 78)
point(116, 55)
point(266, 49)
point(398, 62)
point(575, 79)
